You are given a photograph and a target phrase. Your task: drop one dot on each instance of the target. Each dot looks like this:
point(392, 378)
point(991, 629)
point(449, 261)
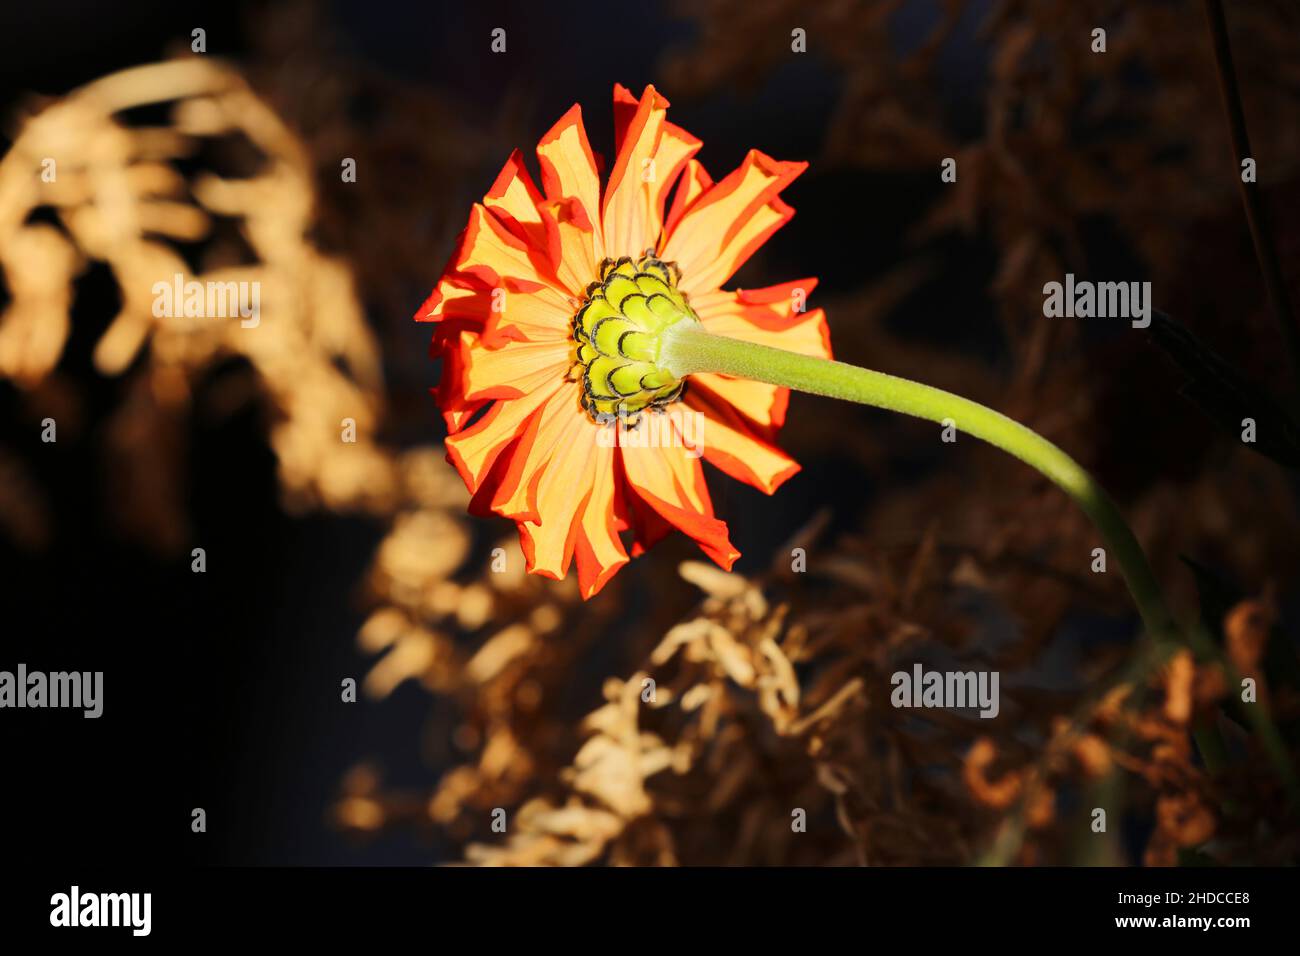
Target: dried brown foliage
point(760, 731)
point(120, 199)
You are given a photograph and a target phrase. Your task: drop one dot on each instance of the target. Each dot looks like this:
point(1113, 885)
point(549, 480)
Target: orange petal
point(724, 226)
point(672, 152)
point(695, 182)
point(442, 301)
point(449, 346)
point(563, 490)
point(768, 317)
point(671, 483)
point(502, 314)
point(649, 528)
point(732, 444)
point(494, 255)
point(542, 314)
point(625, 108)
point(573, 244)
point(807, 332)
point(630, 224)
point(676, 147)
point(474, 450)
point(516, 497)
point(763, 404)
point(569, 167)
point(515, 369)
point(514, 198)
point(598, 550)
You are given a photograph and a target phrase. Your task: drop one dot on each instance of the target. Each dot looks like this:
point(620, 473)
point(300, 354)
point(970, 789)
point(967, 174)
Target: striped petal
point(774, 316)
point(573, 243)
point(491, 253)
point(569, 168)
point(629, 222)
point(514, 198)
point(694, 183)
point(732, 444)
point(722, 228)
point(599, 549)
point(515, 369)
point(475, 449)
point(670, 482)
point(563, 489)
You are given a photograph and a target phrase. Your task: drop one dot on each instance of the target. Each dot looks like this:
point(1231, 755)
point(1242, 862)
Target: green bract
point(618, 332)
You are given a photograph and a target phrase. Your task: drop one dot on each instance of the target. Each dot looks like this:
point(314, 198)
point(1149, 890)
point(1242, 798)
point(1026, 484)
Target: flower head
point(550, 316)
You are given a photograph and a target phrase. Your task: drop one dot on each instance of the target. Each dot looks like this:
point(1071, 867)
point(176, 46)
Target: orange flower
point(548, 315)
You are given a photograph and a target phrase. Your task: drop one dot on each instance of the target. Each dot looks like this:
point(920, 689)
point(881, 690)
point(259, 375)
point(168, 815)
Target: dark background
point(221, 689)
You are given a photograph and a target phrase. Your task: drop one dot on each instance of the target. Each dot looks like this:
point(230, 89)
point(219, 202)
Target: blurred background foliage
point(484, 690)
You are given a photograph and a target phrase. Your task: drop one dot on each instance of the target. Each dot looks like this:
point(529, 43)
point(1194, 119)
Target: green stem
point(686, 348)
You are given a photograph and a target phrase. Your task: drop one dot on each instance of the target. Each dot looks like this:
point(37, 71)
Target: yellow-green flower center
point(618, 333)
